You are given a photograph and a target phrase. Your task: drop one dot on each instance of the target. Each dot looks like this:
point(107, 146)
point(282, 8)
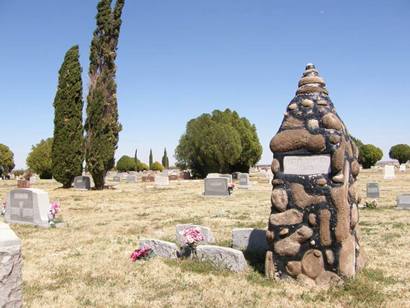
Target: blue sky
point(178, 59)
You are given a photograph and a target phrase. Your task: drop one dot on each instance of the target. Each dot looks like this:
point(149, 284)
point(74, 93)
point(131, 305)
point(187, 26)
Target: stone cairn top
point(313, 232)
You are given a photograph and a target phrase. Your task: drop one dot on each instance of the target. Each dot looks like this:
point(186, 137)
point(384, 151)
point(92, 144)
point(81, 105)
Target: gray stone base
point(161, 248)
point(250, 240)
point(222, 257)
point(10, 268)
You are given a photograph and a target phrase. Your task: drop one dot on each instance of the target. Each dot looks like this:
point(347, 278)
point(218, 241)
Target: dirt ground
point(86, 262)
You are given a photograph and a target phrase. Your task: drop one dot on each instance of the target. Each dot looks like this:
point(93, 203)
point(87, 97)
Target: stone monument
point(27, 206)
point(82, 182)
point(313, 232)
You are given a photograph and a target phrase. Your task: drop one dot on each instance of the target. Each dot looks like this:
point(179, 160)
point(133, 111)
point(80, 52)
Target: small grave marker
point(82, 182)
point(403, 201)
point(27, 206)
point(216, 187)
point(402, 168)
point(389, 172)
point(243, 179)
point(131, 178)
point(373, 190)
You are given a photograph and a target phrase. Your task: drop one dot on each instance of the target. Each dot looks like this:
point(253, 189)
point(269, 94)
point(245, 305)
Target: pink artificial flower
point(192, 235)
point(140, 253)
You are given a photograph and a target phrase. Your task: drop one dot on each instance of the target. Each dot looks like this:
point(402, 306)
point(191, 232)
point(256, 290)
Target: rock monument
point(313, 232)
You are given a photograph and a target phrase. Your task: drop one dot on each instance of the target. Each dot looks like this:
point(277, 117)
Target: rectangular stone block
point(216, 187)
point(222, 257)
point(389, 172)
point(27, 206)
point(403, 201)
point(10, 268)
point(372, 190)
point(306, 165)
point(162, 249)
point(250, 240)
point(243, 179)
point(82, 182)
point(131, 178)
point(206, 233)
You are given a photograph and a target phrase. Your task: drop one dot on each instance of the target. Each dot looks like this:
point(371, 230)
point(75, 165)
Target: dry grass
point(86, 263)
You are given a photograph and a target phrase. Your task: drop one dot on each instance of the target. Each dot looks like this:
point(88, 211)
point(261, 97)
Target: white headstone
point(306, 165)
point(161, 180)
point(228, 176)
point(403, 168)
point(27, 206)
point(389, 172)
point(243, 179)
point(131, 178)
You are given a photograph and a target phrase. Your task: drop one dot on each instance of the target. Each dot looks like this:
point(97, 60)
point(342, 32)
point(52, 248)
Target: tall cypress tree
point(102, 125)
point(151, 158)
point(165, 161)
point(67, 153)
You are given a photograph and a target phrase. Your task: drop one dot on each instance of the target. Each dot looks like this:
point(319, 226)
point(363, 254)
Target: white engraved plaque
point(306, 165)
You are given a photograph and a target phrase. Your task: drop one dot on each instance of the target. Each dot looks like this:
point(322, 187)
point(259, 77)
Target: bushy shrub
point(369, 155)
point(142, 166)
point(401, 152)
point(39, 159)
point(126, 163)
point(156, 166)
point(218, 142)
point(18, 172)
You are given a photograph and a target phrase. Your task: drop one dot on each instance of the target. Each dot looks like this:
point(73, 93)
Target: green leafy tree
point(6, 160)
point(67, 153)
point(39, 159)
point(126, 163)
point(151, 158)
point(156, 166)
point(369, 155)
point(401, 152)
point(218, 142)
point(165, 160)
point(142, 166)
point(102, 125)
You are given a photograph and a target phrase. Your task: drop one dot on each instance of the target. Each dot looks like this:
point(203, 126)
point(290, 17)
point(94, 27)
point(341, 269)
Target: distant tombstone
point(373, 190)
point(389, 172)
point(213, 175)
point(228, 176)
point(235, 175)
point(27, 206)
point(216, 187)
point(82, 182)
point(161, 181)
point(403, 201)
point(131, 178)
point(116, 178)
point(402, 168)
point(243, 179)
point(33, 179)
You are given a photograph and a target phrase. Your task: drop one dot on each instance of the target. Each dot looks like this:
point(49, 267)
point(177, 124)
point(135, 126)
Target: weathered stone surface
point(293, 106)
point(328, 279)
point(354, 216)
point(306, 281)
point(292, 122)
point(312, 263)
point(161, 248)
point(347, 258)
point(339, 178)
point(330, 256)
point(289, 217)
point(222, 257)
point(250, 240)
point(354, 193)
point(283, 232)
point(270, 270)
point(206, 232)
point(310, 89)
point(313, 124)
point(294, 268)
point(338, 158)
point(10, 269)
point(307, 103)
point(312, 219)
point(355, 168)
point(322, 102)
point(303, 199)
point(277, 182)
point(331, 121)
point(275, 166)
point(339, 197)
point(321, 182)
point(325, 237)
point(311, 79)
point(270, 236)
point(335, 139)
point(290, 246)
point(295, 139)
point(279, 199)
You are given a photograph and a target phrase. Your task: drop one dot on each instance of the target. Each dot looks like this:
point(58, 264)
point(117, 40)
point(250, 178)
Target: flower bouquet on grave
point(52, 213)
point(231, 186)
point(143, 253)
point(192, 236)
